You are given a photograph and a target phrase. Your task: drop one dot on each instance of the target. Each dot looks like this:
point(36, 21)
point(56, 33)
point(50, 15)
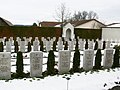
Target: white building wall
point(111, 33)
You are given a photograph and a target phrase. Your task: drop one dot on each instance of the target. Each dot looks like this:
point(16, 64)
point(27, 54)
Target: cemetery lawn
point(92, 80)
point(101, 80)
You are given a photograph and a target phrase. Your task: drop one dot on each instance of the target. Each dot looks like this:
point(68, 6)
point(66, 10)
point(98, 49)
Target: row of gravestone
point(48, 45)
point(36, 62)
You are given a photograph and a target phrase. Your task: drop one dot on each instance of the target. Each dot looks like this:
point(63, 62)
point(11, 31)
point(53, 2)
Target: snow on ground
point(78, 81)
point(101, 80)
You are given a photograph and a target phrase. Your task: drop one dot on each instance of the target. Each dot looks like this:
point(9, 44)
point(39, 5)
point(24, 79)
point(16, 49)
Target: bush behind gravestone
point(54, 45)
point(16, 47)
point(104, 45)
point(1, 47)
point(96, 45)
point(19, 65)
point(98, 59)
point(76, 46)
point(76, 61)
point(41, 46)
point(29, 47)
point(116, 58)
point(86, 45)
point(51, 63)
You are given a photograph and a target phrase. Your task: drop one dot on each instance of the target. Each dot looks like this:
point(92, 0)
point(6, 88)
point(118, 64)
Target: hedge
point(88, 33)
point(34, 31)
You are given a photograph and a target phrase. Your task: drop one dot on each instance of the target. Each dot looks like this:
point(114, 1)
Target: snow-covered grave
point(88, 59)
point(64, 62)
point(5, 65)
point(36, 61)
point(108, 58)
point(100, 80)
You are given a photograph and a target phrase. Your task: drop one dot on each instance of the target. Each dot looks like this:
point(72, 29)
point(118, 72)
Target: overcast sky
point(30, 11)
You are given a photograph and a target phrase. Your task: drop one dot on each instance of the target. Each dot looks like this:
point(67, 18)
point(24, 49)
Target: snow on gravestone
point(35, 45)
point(36, 60)
point(8, 46)
point(5, 65)
point(108, 58)
point(88, 59)
point(64, 61)
point(22, 46)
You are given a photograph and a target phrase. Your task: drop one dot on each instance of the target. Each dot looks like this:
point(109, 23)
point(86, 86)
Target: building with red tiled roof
point(49, 24)
point(91, 24)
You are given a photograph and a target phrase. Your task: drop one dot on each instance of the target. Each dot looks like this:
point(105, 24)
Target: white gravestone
point(44, 42)
point(36, 61)
point(88, 57)
point(108, 58)
point(51, 41)
point(60, 44)
point(64, 61)
point(100, 44)
point(5, 65)
point(36, 45)
point(22, 46)
point(8, 46)
point(71, 45)
point(36, 39)
point(54, 38)
point(18, 40)
point(26, 41)
point(11, 40)
point(108, 44)
point(90, 45)
point(48, 46)
point(74, 40)
point(81, 45)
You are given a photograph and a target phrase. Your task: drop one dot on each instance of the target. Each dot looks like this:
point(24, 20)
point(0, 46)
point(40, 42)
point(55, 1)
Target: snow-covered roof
point(114, 25)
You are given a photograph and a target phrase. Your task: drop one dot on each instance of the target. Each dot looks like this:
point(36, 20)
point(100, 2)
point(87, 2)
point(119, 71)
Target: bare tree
point(92, 15)
point(84, 15)
point(62, 14)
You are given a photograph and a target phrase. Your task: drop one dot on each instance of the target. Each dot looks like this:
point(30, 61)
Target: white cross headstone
point(11, 40)
point(90, 45)
point(5, 65)
point(88, 57)
point(81, 45)
point(60, 44)
point(36, 45)
point(100, 44)
point(22, 46)
point(64, 61)
point(36, 61)
point(108, 58)
point(108, 44)
point(8, 46)
point(71, 45)
point(48, 46)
